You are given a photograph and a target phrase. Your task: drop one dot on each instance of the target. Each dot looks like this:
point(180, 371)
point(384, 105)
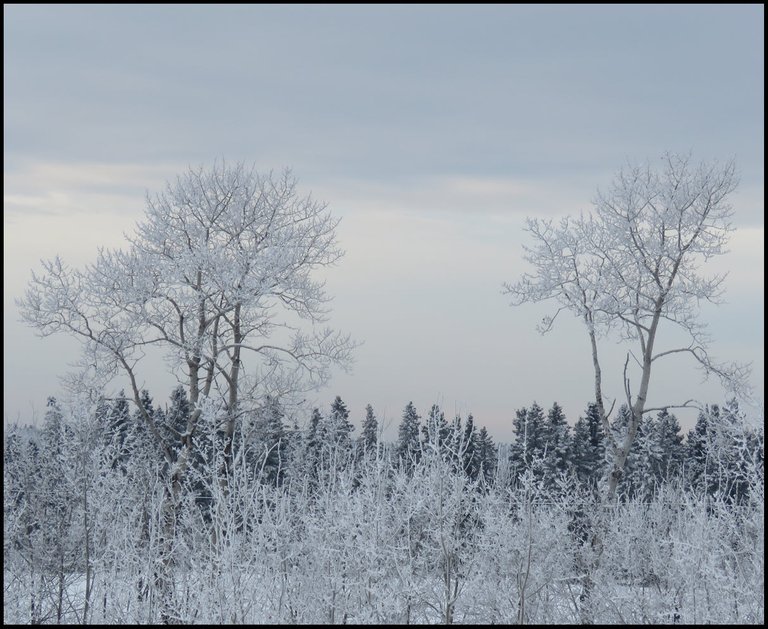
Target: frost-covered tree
point(175, 420)
point(220, 274)
point(334, 437)
point(720, 450)
point(408, 449)
point(141, 443)
point(670, 439)
point(117, 430)
point(697, 468)
point(436, 432)
point(471, 457)
point(306, 452)
point(527, 451)
point(588, 447)
point(656, 455)
point(557, 439)
point(638, 478)
point(369, 433)
point(219, 253)
point(632, 266)
point(487, 455)
point(336, 430)
point(266, 444)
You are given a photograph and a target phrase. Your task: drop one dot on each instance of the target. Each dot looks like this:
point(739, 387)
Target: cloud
point(71, 189)
point(471, 197)
point(745, 261)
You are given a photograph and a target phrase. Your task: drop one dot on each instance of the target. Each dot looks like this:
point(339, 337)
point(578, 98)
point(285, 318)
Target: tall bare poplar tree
point(632, 266)
point(220, 274)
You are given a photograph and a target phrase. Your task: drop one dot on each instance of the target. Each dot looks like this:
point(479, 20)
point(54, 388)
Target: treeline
point(318, 524)
point(709, 458)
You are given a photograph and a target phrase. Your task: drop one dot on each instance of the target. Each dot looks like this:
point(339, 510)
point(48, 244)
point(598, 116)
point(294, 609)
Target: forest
point(318, 525)
point(231, 502)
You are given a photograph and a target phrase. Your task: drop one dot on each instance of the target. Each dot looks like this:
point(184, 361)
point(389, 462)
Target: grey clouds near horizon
point(431, 131)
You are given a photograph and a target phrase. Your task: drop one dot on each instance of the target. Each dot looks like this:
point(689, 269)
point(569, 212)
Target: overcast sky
point(431, 131)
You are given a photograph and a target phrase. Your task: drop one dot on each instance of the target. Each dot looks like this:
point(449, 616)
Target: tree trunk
point(164, 581)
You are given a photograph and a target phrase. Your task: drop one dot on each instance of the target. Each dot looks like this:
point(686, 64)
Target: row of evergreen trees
point(709, 459)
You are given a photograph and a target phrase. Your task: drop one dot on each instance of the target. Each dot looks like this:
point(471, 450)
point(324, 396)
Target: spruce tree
point(672, 450)
point(312, 454)
point(436, 432)
point(471, 456)
point(369, 432)
point(178, 415)
point(588, 447)
point(487, 455)
point(140, 444)
point(117, 431)
point(527, 452)
point(698, 469)
point(267, 449)
point(57, 546)
point(639, 479)
point(733, 449)
point(408, 448)
point(557, 437)
point(336, 430)
point(313, 432)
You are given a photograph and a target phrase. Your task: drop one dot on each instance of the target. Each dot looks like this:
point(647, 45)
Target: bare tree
point(633, 265)
point(627, 268)
point(221, 266)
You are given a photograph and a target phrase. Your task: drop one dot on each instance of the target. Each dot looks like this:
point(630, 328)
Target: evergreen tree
point(645, 454)
point(697, 468)
point(53, 429)
point(336, 430)
point(303, 455)
point(267, 449)
point(330, 439)
point(101, 419)
point(588, 447)
point(295, 451)
point(452, 442)
point(117, 430)
point(671, 445)
point(24, 491)
point(14, 464)
point(369, 433)
point(407, 449)
point(140, 444)
point(720, 450)
point(471, 456)
point(487, 455)
point(56, 544)
point(620, 423)
point(656, 455)
point(172, 424)
point(436, 432)
point(733, 454)
point(311, 456)
point(527, 452)
point(178, 415)
point(518, 449)
point(557, 437)
point(313, 434)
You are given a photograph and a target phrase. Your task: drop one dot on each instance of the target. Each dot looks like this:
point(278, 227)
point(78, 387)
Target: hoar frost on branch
point(633, 265)
point(220, 275)
point(219, 255)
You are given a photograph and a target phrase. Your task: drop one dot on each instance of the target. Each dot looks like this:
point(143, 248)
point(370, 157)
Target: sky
point(431, 131)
